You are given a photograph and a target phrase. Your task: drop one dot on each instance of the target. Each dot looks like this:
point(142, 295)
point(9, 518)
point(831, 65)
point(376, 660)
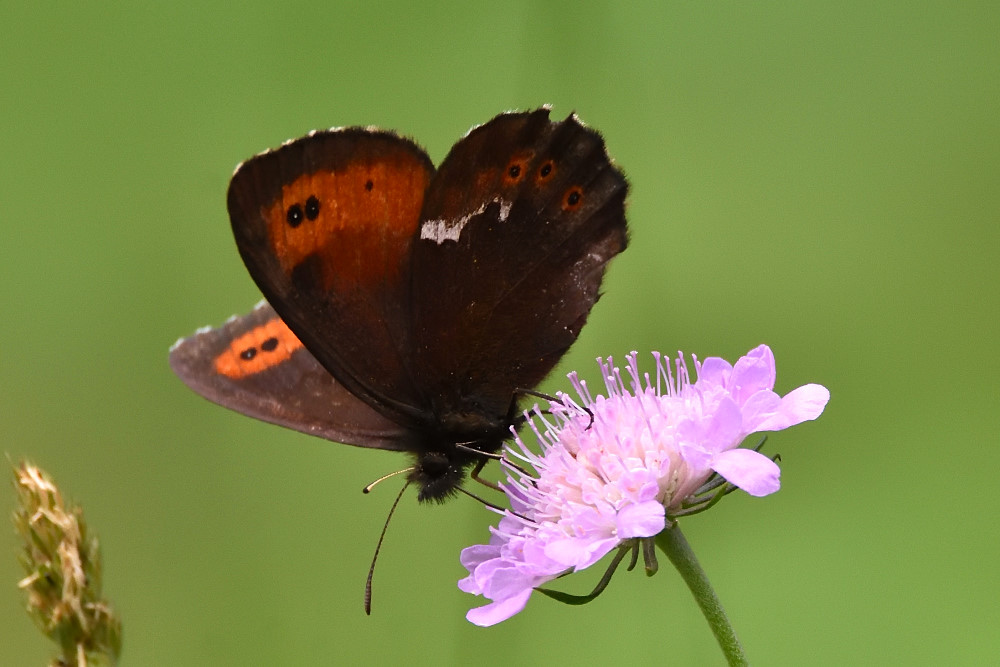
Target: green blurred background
point(821, 177)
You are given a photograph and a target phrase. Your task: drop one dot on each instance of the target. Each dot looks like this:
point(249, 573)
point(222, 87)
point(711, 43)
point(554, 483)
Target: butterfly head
point(441, 466)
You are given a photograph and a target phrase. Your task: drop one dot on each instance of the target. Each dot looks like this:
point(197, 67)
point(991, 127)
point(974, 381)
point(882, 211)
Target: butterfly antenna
point(378, 547)
point(368, 489)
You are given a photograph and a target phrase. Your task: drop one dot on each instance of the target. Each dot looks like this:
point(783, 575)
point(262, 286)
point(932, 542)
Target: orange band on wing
point(257, 350)
point(356, 222)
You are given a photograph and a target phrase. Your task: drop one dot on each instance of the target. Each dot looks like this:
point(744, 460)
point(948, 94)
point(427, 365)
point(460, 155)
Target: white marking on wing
point(442, 230)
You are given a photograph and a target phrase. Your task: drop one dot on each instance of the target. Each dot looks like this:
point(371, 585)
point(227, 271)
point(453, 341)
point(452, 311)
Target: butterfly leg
point(479, 468)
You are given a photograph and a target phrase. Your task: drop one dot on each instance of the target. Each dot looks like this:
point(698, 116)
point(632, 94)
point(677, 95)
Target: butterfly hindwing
point(255, 365)
point(517, 227)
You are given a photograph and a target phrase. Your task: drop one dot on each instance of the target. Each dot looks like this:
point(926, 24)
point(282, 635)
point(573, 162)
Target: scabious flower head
point(620, 466)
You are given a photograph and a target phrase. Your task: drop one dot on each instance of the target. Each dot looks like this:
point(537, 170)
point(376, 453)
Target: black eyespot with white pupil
point(515, 171)
point(545, 173)
point(250, 353)
point(573, 198)
point(297, 214)
point(312, 208)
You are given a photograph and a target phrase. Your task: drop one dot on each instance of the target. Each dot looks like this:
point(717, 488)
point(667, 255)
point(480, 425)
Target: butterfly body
point(406, 307)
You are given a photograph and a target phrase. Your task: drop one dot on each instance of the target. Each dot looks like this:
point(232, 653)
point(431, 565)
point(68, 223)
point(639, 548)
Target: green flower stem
point(672, 542)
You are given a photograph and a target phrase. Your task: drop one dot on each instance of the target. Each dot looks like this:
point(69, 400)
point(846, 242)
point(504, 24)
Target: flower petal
point(508, 581)
point(641, 520)
point(799, 405)
point(478, 554)
point(752, 373)
point(715, 371)
point(580, 552)
point(495, 612)
point(751, 471)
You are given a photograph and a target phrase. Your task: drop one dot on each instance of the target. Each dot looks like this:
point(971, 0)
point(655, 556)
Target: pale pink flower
point(620, 466)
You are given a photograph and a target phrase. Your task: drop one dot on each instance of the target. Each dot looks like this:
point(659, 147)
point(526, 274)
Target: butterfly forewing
point(324, 225)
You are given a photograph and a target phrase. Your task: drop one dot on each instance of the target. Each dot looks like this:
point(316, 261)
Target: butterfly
point(408, 308)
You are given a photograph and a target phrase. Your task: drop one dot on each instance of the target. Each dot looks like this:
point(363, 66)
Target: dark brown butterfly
point(407, 307)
